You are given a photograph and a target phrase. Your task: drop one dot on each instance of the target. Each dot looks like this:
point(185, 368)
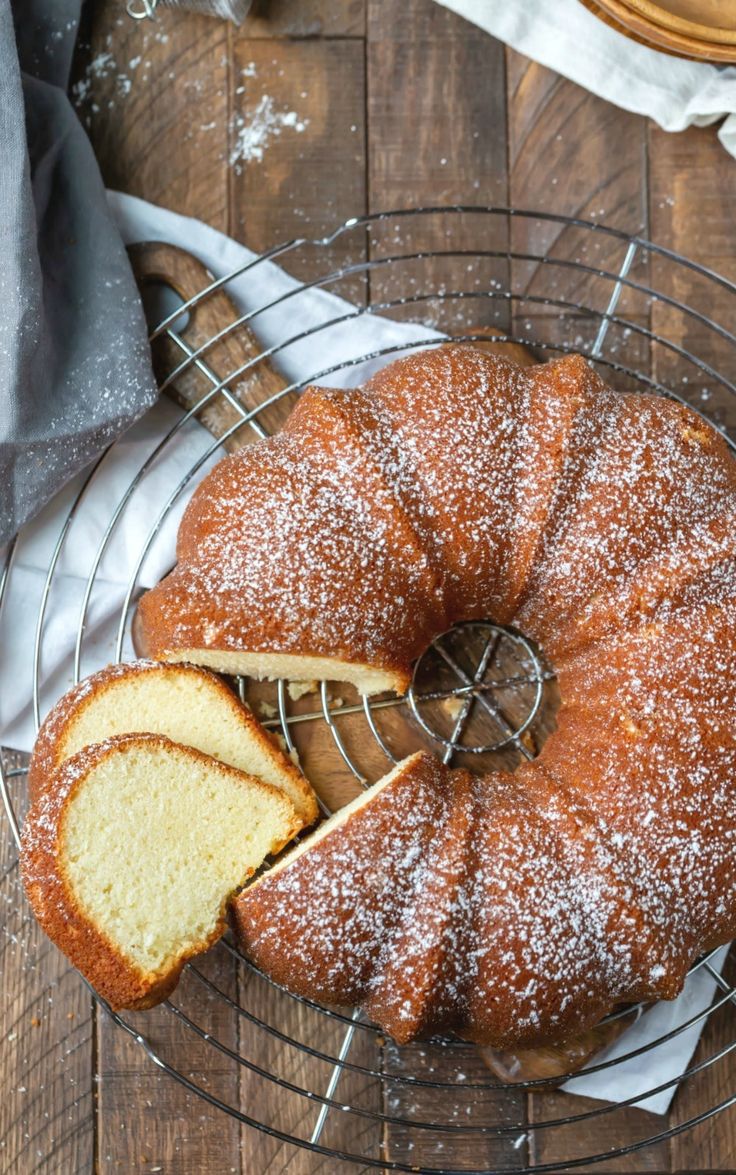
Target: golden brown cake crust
point(48, 751)
point(600, 523)
point(47, 888)
point(439, 492)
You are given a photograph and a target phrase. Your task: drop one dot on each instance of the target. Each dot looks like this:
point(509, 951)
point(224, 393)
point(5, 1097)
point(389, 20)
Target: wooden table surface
point(314, 111)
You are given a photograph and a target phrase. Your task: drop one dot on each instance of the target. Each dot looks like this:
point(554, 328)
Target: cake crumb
point(267, 709)
point(452, 706)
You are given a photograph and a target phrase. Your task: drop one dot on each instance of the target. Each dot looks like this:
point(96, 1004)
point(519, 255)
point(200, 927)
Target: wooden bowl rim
point(656, 15)
point(656, 36)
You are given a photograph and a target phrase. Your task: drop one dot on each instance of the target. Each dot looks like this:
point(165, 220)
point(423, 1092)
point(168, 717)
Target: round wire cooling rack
point(318, 1077)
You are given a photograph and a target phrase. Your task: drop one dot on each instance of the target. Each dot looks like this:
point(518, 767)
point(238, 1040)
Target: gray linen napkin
point(74, 360)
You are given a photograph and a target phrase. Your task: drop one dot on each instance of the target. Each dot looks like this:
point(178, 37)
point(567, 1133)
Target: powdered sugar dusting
point(253, 132)
point(513, 909)
point(108, 79)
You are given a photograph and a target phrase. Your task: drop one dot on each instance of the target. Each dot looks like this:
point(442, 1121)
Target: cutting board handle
point(192, 358)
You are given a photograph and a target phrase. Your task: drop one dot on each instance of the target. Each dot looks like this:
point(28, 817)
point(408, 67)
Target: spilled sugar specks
point(249, 134)
point(254, 131)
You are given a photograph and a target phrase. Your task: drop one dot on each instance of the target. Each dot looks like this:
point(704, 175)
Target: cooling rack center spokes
point(478, 688)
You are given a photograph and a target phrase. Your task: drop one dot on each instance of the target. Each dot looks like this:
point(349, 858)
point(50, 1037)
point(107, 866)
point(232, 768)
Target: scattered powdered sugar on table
point(254, 132)
point(249, 133)
point(106, 64)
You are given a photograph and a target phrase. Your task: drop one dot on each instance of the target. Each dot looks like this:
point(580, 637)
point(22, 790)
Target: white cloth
point(141, 221)
point(569, 39)
point(267, 282)
point(658, 1065)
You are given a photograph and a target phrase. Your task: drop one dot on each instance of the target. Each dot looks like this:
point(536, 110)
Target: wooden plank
point(574, 154)
point(305, 18)
point(609, 1131)
point(692, 208)
point(144, 1114)
point(458, 1106)
point(292, 1112)
point(154, 98)
point(710, 1146)
point(693, 211)
point(46, 1025)
point(437, 135)
point(297, 150)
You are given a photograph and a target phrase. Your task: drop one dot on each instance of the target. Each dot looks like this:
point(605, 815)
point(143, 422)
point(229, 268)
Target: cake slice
point(296, 560)
point(328, 914)
point(130, 857)
point(188, 705)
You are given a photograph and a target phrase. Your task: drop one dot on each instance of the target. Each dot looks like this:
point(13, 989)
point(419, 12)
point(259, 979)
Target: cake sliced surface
point(130, 858)
point(186, 704)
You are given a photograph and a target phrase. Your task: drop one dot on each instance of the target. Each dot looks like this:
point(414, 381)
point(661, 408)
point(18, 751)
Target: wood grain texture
point(455, 1108)
point(293, 1112)
point(664, 30)
point(47, 1118)
point(574, 154)
point(693, 205)
point(309, 160)
point(441, 114)
point(154, 98)
point(228, 370)
point(437, 114)
point(711, 1145)
point(309, 18)
point(618, 1128)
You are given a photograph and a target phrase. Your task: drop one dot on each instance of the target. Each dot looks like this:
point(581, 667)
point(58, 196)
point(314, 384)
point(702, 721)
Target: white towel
point(141, 221)
point(569, 39)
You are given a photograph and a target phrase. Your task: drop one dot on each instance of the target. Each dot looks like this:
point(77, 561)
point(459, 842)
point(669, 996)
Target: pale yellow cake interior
point(272, 666)
point(188, 708)
point(154, 842)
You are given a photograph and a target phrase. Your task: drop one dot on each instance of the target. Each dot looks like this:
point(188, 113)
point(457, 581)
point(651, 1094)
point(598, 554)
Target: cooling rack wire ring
point(615, 281)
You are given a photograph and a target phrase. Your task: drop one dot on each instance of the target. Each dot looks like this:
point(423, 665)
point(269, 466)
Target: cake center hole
point(482, 688)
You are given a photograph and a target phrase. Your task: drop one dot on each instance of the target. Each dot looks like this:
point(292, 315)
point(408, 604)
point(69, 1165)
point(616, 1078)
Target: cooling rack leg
point(334, 1078)
point(613, 301)
point(720, 981)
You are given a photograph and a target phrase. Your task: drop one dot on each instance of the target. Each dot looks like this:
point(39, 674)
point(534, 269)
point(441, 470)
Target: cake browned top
point(455, 485)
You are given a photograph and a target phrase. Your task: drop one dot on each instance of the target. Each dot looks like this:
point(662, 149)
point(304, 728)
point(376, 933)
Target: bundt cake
point(130, 855)
point(187, 704)
point(502, 908)
point(455, 485)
